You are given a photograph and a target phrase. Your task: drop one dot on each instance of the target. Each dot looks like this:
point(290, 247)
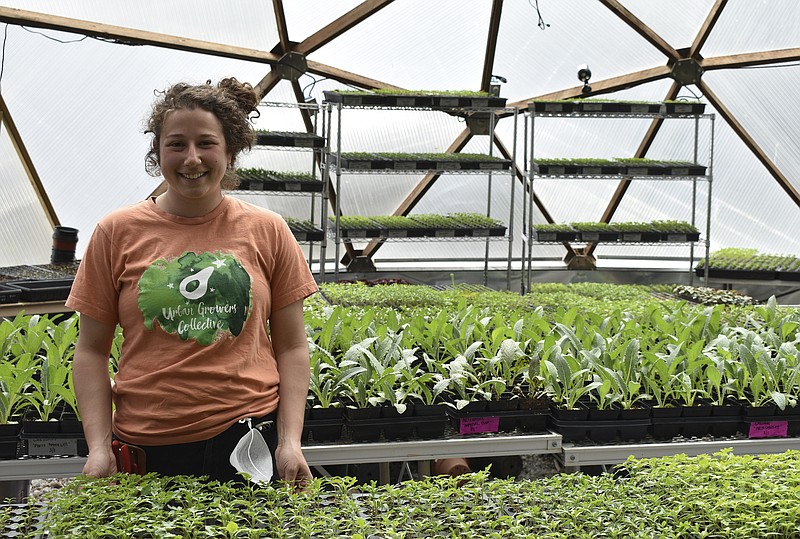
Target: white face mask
point(252, 455)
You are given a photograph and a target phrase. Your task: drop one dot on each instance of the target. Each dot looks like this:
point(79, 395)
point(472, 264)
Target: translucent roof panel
point(79, 104)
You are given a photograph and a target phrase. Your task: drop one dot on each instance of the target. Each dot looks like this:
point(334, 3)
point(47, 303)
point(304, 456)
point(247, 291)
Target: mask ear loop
point(264, 425)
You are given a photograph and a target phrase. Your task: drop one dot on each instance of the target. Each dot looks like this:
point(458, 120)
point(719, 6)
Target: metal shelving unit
point(531, 174)
point(334, 156)
point(300, 142)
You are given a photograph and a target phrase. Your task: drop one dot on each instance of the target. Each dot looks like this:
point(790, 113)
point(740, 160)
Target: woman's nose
point(192, 155)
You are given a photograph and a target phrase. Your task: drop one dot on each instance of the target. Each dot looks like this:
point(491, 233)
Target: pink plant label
point(476, 425)
point(769, 429)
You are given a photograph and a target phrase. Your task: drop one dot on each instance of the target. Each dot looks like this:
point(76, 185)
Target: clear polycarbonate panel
point(249, 24)
point(305, 19)
point(83, 118)
point(404, 45)
point(536, 61)
point(80, 103)
point(676, 22)
point(26, 230)
point(745, 27)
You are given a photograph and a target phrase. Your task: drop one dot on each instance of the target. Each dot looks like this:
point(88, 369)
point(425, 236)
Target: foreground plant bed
point(721, 495)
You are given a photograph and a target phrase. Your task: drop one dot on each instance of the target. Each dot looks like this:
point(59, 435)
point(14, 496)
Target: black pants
point(209, 457)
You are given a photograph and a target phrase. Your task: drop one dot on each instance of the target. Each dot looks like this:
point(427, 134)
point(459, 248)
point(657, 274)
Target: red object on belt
point(130, 458)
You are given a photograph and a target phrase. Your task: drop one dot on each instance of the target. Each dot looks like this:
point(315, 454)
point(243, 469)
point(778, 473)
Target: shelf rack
point(299, 142)
point(660, 112)
point(334, 156)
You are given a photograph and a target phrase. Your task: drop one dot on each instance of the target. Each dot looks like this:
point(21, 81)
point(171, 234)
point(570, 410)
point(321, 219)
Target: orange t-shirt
point(194, 297)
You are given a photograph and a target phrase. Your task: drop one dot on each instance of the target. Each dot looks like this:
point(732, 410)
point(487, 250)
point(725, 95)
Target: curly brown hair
point(231, 101)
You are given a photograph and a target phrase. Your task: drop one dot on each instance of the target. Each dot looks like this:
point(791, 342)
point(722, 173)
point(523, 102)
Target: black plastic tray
point(9, 294)
point(44, 290)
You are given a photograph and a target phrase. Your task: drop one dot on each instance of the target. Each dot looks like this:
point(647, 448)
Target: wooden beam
point(705, 30)
point(341, 25)
point(520, 175)
point(491, 44)
point(347, 77)
point(751, 59)
point(280, 20)
point(750, 142)
point(27, 163)
point(606, 86)
point(266, 84)
point(641, 152)
point(301, 99)
point(641, 28)
point(420, 189)
point(129, 36)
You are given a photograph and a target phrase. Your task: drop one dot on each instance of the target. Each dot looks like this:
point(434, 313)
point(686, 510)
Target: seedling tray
point(601, 431)
point(290, 139)
point(414, 101)
point(51, 445)
point(377, 163)
point(308, 235)
point(9, 294)
point(695, 427)
point(278, 184)
point(46, 290)
point(498, 420)
point(590, 107)
point(323, 430)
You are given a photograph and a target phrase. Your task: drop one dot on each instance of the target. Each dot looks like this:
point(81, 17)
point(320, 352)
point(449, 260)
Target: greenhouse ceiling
point(77, 79)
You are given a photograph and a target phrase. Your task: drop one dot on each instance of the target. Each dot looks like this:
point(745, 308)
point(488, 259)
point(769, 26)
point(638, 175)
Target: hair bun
point(242, 92)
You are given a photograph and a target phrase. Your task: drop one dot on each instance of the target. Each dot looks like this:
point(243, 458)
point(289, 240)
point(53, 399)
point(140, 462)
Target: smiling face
point(193, 158)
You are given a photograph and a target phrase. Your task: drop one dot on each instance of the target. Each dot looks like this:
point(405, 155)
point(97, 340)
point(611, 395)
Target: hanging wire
point(694, 95)
point(541, 24)
point(310, 85)
point(3, 59)
point(51, 37)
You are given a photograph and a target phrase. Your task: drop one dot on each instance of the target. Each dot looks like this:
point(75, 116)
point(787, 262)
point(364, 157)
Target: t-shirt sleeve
point(93, 290)
point(291, 278)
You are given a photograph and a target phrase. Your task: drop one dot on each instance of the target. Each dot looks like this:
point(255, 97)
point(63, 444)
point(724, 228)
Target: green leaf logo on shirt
point(203, 297)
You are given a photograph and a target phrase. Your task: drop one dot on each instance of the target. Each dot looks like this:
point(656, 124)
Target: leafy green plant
point(17, 369)
point(567, 379)
point(328, 380)
point(373, 379)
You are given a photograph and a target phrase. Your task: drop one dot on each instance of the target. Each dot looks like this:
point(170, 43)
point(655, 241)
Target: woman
point(208, 291)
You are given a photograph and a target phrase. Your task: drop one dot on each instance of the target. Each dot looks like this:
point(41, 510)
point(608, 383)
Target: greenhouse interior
point(536, 262)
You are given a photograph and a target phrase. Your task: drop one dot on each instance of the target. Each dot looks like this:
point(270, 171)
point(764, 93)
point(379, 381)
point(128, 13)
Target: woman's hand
point(292, 465)
point(100, 464)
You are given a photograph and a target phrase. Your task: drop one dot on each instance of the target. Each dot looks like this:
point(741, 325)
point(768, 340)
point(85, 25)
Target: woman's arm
point(288, 335)
point(93, 390)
